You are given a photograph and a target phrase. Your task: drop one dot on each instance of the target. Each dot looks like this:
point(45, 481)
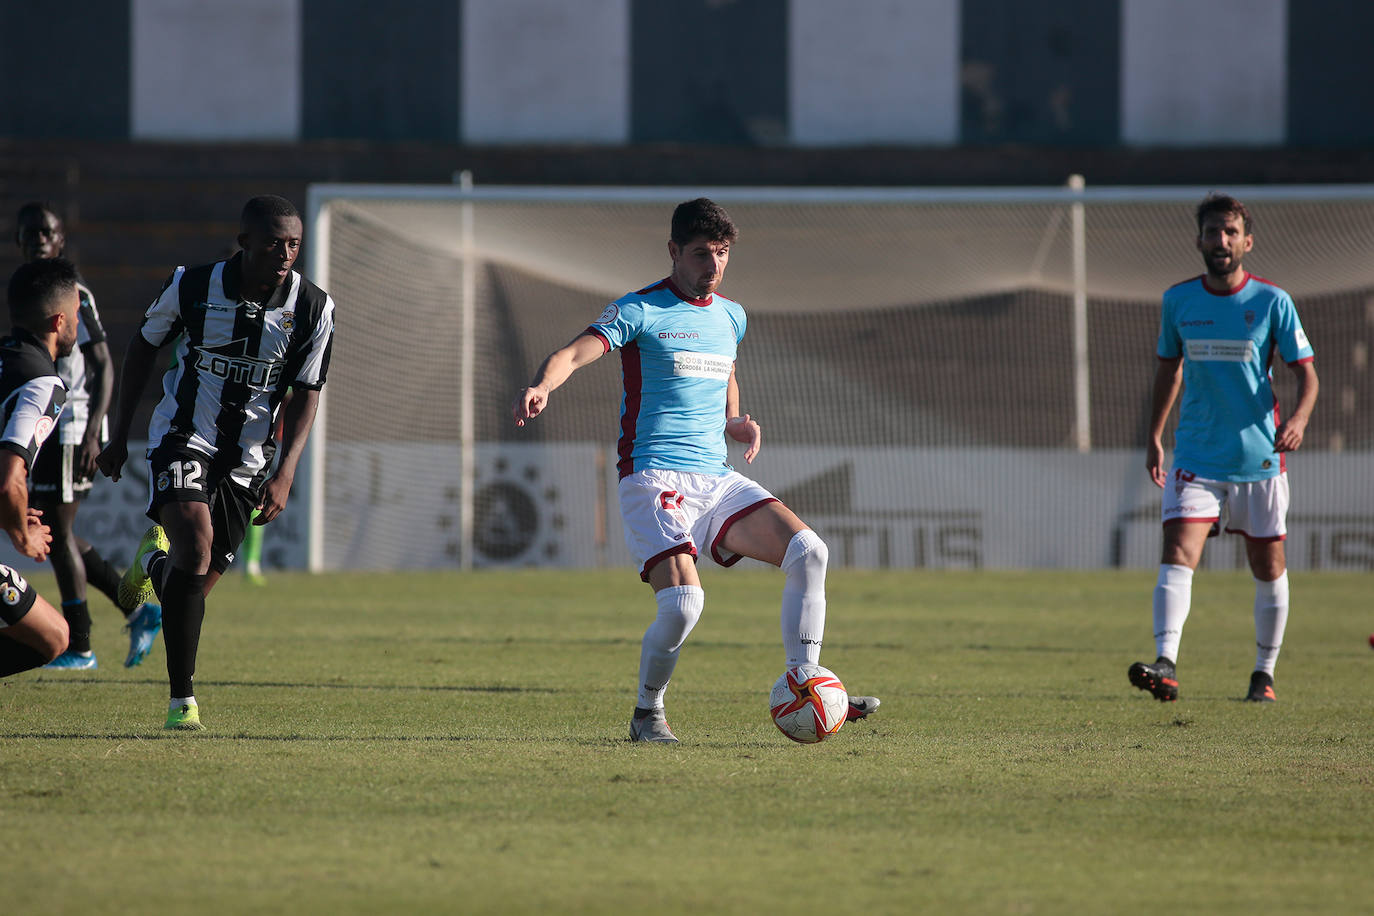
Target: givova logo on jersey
point(230, 362)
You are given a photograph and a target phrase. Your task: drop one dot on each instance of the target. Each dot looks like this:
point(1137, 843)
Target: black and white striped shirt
point(72, 370)
point(31, 394)
point(234, 361)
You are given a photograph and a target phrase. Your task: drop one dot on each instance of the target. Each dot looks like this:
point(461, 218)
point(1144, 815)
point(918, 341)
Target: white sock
point(803, 598)
point(178, 702)
point(679, 608)
point(1172, 599)
point(1271, 617)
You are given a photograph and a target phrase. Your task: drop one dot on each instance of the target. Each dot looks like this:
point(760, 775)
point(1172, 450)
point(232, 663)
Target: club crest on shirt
point(42, 427)
point(1249, 318)
point(288, 320)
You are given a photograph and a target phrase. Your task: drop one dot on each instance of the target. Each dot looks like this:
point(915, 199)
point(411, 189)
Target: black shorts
point(177, 474)
point(53, 478)
point(16, 596)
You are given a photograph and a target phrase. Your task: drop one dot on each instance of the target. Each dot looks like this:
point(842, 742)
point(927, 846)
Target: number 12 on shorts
point(182, 475)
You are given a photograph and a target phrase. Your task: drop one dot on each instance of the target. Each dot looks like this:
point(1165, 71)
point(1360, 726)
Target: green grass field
point(447, 743)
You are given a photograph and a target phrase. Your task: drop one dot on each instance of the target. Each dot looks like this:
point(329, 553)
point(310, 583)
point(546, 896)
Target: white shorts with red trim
point(668, 512)
point(1257, 509)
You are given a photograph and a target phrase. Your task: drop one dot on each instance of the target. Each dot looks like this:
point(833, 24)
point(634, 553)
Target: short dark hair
point(37, 289)
point(35, 209)
point(1224, 205)
point(261, 210)
point(702, 218)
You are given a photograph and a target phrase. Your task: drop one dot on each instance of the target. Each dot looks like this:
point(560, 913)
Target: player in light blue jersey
point(678, 494)
point(1219, 334)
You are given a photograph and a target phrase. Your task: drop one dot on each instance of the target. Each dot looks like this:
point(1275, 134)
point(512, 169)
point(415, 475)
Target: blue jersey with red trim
point(676, 356)
point(1229, 413)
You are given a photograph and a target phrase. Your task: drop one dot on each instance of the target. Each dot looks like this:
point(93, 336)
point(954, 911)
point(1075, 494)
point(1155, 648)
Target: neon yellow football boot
point(185, 717)
point(136, 588)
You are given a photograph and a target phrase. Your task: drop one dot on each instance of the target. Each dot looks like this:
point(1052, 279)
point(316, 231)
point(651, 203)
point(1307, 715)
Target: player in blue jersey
point(678, 494)
point(1219, 334)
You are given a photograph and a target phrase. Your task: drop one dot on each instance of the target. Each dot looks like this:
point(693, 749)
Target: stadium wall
point(773, 73)
point(554, 505)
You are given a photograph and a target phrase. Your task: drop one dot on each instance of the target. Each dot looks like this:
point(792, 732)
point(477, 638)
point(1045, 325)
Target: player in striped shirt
point(61, 476)
point(43, 304)
point(245, 330)
point(678, 494)
point(1219, 334)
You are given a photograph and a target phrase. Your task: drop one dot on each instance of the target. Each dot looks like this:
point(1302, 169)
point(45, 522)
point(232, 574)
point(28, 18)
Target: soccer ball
point(808, 703)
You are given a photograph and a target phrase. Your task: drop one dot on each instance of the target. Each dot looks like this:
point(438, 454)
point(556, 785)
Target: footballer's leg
point(771, 532)
point(1268, 564)
point(658, 530)
point(1184, 538)
point(32, 631)
point(182, 574)
point(70, 573)
point(680, 600)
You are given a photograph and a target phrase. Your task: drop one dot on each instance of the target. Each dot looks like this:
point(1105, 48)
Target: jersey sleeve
point(618, 324)
point(89, 329)
point(315, 364)
point(1170, 345)
point(30, 414)
point(1288, 333)
point(162, 321)
point(738, 319)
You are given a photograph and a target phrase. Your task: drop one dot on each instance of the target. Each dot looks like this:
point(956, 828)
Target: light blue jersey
point(676, 355)
point(1229, 413)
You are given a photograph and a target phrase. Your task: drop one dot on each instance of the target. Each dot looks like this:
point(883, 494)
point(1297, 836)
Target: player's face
point(40, 237)
point(66, 335)
point(699, 265)
point(1223, 243)
point(269, 250)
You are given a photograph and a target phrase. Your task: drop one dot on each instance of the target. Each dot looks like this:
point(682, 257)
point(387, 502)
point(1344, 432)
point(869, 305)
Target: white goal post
point(949, 377)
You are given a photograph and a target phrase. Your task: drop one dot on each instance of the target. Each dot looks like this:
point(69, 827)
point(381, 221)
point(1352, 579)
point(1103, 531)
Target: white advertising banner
point(113, 518)
point(396, 506)
point(555, 505)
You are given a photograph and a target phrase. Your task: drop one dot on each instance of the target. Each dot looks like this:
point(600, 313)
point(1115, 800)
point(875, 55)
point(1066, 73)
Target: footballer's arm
point(100, 387)
point(23, 524)
point(139, 363)
point(741, 428)
point(299, 418)
point(1290, 434)
point(583, 349)
point(1168, 379)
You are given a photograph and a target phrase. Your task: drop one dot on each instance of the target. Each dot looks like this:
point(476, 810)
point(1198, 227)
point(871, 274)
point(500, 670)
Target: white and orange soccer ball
point(808, 703)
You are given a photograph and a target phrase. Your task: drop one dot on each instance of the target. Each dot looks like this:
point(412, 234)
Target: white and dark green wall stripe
point(725, 72)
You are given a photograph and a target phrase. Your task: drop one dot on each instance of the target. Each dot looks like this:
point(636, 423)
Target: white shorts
point(1257, 509)
point(668, 512)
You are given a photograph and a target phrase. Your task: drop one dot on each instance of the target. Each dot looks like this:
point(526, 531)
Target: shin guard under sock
point(183, 612)
point(101, 574)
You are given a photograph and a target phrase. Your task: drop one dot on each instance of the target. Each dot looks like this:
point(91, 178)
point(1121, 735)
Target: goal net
point(945, 378)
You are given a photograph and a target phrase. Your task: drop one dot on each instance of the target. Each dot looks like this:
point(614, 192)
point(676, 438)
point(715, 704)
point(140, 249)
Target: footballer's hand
point(747, 430)
point(1154, 464)
point(86, 456)
point(274, 495)
point(35, 539)
point(1289, 435)
point(530, 404)
point(111, 460)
